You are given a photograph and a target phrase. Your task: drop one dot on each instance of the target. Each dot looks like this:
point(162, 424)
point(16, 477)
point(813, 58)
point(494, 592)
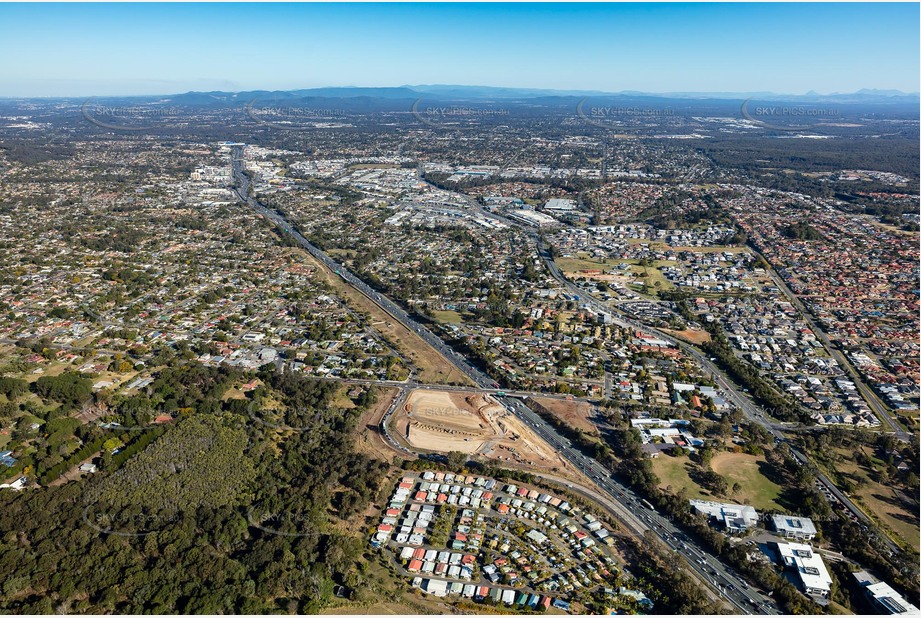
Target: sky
point(135, 49)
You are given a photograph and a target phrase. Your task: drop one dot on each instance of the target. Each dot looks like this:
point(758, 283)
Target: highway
point(744, 403)
point(640, 518)
point(729, 584)
point(753, 412)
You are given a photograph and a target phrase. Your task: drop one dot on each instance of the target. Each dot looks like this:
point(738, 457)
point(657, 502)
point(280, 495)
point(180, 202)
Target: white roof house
point(538, 537)
point(437, 587)
point(790, 527)
point(15, 485)
point(809, 568)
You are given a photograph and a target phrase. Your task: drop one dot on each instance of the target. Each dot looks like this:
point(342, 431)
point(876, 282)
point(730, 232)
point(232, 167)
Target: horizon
point(167, 49)
point(549, 91)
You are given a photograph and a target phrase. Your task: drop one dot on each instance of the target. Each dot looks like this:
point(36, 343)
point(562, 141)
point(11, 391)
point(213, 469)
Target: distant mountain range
point(524, 101)
point(486, 93)
point(864, 95)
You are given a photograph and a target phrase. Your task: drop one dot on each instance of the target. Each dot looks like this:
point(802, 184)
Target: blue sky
point(100, 49)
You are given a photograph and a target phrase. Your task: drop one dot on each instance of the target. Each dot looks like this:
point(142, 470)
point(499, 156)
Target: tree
point(456, 459)
point(725, 427)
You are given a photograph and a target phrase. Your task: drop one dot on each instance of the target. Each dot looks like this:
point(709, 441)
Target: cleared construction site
point(472, 423)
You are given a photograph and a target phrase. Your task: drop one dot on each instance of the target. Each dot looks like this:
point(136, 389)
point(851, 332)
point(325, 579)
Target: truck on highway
point(648, 504)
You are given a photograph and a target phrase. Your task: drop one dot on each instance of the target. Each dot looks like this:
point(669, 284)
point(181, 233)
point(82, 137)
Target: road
point(729, 390)
point(753, 412)
point(640, 518)
point(866, 392)
point(725, 580)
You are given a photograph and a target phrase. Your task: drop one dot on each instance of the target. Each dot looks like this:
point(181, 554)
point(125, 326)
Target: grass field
point(342, 399)
point(575, 264)
point(739, 468)
point(885, 503)
point(448, 317)
point(745, 470)
point(899, 515)
point(909, 418)
point(661, 246)
point(673, 472)
point(651, 275)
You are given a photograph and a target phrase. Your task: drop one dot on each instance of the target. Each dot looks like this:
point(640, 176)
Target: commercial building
point(790, 527)
point(808, 567)
point(734, 518)
point(882, 597)
point(560, 204)
point(530, 217)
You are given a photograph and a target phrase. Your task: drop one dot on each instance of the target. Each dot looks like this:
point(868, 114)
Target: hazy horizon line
point(534, 89)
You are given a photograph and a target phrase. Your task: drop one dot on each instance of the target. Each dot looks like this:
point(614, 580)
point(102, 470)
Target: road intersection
point(629, 509)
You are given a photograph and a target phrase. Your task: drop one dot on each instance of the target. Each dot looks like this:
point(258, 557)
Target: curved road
point(710, 569)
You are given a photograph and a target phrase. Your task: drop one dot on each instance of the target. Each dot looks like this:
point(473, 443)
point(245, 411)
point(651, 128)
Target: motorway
point(724, 579)
point(748, 407)
point(640, 518)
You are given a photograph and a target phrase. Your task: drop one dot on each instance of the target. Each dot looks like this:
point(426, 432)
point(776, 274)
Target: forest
point(218, 512)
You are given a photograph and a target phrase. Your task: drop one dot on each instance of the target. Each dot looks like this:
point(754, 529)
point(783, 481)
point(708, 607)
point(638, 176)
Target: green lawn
point(673, 471)
point(739, 468)
point(449, 317)
point(744, 470)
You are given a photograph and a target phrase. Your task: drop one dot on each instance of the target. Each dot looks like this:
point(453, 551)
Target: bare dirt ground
point(471, 423)
point(369, 439)
point(573, 413)
point(74, 473)
point(446, 421)
point(694, 336)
